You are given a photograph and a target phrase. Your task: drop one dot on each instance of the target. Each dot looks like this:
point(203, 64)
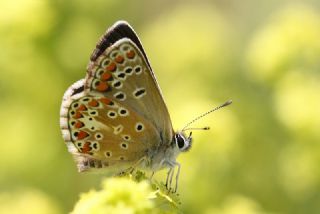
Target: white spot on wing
point(117, 129)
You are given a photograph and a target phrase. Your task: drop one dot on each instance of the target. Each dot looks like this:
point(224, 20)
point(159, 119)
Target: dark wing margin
point(120, 30)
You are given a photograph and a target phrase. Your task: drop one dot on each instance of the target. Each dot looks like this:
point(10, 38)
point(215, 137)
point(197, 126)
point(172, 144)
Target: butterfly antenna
point(201, 116)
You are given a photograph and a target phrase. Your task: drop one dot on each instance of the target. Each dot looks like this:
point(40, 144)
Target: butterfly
point(116, 118)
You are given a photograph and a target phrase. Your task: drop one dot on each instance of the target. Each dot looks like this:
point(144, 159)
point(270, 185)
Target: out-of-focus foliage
point(261, 154)
point(27, 201)
point(128, 194)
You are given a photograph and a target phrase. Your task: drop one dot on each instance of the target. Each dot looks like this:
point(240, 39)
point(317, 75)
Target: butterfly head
point(182, 142)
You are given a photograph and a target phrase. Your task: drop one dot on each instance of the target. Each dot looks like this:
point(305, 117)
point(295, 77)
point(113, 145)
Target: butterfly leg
point(168, 176)
point(171, 178)
point(151, 176)
point(177, 176)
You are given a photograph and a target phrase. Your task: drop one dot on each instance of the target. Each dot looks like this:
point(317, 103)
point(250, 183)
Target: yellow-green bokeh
point(261, 154)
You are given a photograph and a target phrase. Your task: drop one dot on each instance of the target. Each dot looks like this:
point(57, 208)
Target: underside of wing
point(116, 115)
point(102, 133)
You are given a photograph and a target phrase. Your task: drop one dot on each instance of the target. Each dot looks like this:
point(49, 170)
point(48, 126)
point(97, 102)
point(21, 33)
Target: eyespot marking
point(123, 112)
point(114, 54)
point(100, 85)
point(139, 92)
point(77, 124)
point(99, 72)
point(86, 99)
point(93, 113)
point(106, 101)
point(117, 84)
point(95, 146)
point(106, 76)
point(111, 67)
point(131, 54)
point(138, 69)
point(105, 62)
point(93, 103)
point(124, 145)
point(121, 75)
point(126, 137)
point(81, 135)
point(120, 95)
point(125, 47)
point(128, 70)
point(75, 105)
point(112, 114)
point(98, 136)
point(108, 154)
point(139, 127)
point(119, 59)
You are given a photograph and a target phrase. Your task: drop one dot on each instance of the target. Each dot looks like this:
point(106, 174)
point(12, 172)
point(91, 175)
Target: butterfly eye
point(182, 143)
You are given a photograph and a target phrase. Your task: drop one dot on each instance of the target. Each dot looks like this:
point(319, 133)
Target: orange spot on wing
point(105, 100)
point(81, 135)
point(130, 54)
point(119, 59)
point(93, 103)
point(111, 67)
point(77, 115)
point(102, 86)
point(86, 147)
point(82, 108)
point(105, 76)
point(78, 124)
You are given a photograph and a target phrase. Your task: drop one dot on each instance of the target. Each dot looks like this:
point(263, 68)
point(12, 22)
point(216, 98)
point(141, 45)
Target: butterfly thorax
point(165, 155)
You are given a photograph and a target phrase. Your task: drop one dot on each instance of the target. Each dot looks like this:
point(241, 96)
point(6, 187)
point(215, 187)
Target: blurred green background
point(261, 155)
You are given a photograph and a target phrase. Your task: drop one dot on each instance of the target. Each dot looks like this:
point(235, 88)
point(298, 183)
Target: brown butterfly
point(115, 118)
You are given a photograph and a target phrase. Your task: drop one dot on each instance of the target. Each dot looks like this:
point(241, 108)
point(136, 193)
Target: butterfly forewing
point(131, 82)
point(116, 115)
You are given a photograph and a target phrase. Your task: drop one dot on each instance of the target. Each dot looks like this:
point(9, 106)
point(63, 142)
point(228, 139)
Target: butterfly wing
point(116, 115)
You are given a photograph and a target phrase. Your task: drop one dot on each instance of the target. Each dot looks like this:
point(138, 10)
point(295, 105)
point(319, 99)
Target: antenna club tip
point(227, 103)
point(206, 128)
